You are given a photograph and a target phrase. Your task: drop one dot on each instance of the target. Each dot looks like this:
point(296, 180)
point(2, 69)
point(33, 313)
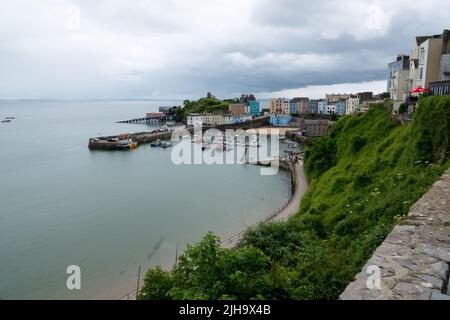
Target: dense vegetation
point(208, 105)
point(364, 175)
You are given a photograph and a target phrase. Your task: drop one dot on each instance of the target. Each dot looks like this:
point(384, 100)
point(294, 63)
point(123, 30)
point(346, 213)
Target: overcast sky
point(107, 49)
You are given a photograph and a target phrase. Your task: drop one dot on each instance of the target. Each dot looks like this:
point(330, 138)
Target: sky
point(176, 49)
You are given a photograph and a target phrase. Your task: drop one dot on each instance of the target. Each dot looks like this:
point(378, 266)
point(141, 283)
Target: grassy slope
point(363, 176)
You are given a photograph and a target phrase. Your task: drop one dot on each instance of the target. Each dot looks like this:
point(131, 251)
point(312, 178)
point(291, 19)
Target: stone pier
point(414, 259)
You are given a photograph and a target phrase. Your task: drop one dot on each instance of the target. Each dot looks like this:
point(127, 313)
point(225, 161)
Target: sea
point(109, 213)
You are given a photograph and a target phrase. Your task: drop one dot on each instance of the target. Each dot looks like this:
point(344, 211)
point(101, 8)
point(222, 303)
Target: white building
point(352, 105)
point(322, 107)
point(194, 119)
point(229, 119)
point(213, 119)
point(216, 119)
point(429, 61)
point(331, 108)
point(242, 118)
point(398, 79)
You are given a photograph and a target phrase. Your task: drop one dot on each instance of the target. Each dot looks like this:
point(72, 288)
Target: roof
point(318, 121)
point(422, 39)
point(298, 99)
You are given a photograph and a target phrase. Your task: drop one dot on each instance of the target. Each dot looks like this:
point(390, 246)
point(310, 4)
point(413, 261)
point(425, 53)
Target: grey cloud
point(176, 48)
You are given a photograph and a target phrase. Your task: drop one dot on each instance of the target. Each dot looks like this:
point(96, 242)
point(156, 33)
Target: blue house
point(280, 120)
point(254, 107)
point(294, 108)
point(322, 107)
point(340, 107)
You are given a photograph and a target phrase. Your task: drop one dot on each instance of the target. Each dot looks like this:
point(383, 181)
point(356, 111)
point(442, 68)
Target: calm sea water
point(107, 212)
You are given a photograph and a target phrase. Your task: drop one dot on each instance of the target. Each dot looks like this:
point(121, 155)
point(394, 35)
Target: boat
point(156, 143)
point(9, 118)
point(6, 121)
point(166, 144)
point(126, 144)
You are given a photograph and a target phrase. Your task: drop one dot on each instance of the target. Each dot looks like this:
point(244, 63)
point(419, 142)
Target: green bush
point(432, 129)
point(203, 105)
point(403, 108)
point(358, 143)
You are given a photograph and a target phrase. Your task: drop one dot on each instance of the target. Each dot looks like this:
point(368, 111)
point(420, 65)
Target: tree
point(157, 285)
point(403, 108)
point(334, 117)
point(385, 95)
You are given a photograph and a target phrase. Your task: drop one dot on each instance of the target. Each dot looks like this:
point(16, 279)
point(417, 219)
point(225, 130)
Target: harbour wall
point(102, 143)
point(413, 261)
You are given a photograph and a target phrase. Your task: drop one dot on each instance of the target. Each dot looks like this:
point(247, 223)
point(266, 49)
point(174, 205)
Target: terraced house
point(322, 107)
point(253, 107)
point(300, 105)
point(397, 84)
point(352, 105)
point(279, 105)
point(313, 106)
point(340, 107)
point(428, 64)
point(237, 108)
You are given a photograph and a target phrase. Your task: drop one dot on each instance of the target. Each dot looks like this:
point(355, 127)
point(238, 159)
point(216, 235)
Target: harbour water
point(107, 212)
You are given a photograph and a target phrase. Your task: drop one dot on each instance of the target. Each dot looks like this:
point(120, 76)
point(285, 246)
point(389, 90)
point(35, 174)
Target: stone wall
point(414, 259)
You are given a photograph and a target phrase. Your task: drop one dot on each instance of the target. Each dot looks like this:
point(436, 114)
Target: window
point(422, 55)
point(421, 73)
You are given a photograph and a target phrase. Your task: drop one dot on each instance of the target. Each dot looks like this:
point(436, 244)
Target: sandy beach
point(290, 209)
point(301, 185)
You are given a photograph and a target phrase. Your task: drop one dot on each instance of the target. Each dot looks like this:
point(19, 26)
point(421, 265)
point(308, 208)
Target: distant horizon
point(315, 92)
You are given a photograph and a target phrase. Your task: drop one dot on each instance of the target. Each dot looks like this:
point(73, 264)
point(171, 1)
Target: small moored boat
point(126, 144)
point(157, 143)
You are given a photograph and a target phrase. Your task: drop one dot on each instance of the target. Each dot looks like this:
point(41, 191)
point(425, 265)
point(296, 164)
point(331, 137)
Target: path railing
point(129, 296)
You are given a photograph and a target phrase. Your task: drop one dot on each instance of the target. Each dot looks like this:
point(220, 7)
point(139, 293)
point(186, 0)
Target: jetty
point(111, 142)
point(145, 120)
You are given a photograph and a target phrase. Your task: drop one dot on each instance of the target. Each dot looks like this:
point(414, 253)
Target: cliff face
point(413, 261)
